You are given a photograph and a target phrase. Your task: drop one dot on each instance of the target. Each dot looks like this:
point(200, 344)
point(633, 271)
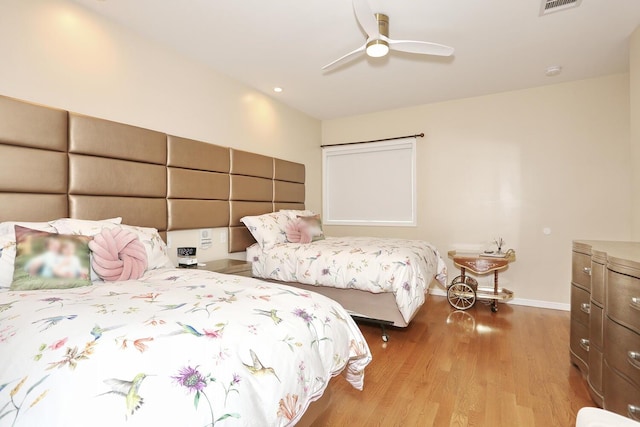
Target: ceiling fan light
point(377, 48)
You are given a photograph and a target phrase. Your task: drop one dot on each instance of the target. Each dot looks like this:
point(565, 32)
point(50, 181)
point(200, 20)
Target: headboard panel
point(284, 170)
point(32, 206)
point(50, 164)
point(33, 161)
point(261, 184)
point(104, 138)
point(251, 164)
point(56, 164)
point(111, 177)
point(198, 155)
point(291, 192)
point(146, 212)
point(288, 185)
point(117, 170)
point(32, 125)
point(251, 188)
point(251, 194)
point(198, 184)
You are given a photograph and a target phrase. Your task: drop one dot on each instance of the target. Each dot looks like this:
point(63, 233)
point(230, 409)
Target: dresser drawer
point(621, 396)
point(595, 326)
point(579, 341)
point(622, 350)
point(623, 299)
point(580, 306)
point(595, 371)
point(598, 277)
point(581, 270)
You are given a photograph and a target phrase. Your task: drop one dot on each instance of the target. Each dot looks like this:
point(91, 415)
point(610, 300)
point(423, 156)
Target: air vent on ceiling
point(551, 6)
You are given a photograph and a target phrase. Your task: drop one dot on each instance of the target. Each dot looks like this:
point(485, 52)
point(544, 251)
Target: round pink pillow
point(297, 231)
point(118, 254)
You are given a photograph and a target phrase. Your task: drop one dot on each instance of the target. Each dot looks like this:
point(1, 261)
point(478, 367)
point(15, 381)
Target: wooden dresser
point(605, 322)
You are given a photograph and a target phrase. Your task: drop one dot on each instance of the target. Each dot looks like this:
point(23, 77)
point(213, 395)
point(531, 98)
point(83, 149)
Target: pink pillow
point(297, 231)
point(118, 254)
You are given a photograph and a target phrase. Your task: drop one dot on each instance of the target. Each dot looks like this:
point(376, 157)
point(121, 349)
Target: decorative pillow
point(267, 229)
point(312, 225)
point(50, 261)
point(297, 231)
point(84, 227)
point(8, 248)
point(118, 254)
point(157, 254)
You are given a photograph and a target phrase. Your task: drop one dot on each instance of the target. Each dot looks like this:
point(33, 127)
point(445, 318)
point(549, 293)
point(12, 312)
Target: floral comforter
point(404, 267)
point(175, 348)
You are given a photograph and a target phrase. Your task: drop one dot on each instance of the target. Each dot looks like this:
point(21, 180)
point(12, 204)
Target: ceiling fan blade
point(366, 18)
point(344, 58)
point(424, 48)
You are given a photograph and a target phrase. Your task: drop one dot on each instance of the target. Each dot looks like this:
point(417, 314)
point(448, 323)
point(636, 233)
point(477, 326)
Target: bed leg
point(383, 324)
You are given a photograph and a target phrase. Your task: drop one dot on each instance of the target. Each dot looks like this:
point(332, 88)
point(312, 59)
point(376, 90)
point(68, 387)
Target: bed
point(383, 280)
point(177, 347)
point(172, 347)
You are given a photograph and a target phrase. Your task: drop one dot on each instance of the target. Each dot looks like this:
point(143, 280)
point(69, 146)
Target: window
point(370, 183)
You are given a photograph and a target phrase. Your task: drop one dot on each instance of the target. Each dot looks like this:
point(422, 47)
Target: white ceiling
point(500, 45)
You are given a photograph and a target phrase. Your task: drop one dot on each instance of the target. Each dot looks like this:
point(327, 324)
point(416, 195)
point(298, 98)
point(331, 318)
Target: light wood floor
point(476, 368)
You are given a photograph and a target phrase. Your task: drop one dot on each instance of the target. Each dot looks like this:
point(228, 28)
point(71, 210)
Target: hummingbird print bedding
point(404, 267)
point(174, 348)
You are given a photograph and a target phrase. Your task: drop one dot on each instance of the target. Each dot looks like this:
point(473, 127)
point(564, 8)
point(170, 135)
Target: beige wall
point(57, 53)
point(634, 92)
point(510, 165)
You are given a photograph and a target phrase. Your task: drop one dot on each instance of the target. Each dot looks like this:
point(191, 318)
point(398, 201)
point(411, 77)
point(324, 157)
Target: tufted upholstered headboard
point(55, 164)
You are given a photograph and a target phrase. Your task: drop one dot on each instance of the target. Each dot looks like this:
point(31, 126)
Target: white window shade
point(370, 183)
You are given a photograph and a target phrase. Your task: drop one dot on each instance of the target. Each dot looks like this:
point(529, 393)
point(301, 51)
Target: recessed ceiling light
point(277, 89)
point(553, 70)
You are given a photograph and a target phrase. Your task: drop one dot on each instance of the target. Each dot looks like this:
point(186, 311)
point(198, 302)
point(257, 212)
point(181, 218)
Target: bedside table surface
point(227, 266)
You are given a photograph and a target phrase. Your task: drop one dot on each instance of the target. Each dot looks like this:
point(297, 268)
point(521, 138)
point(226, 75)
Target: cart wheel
point(461, 295)
point(494, 306)
point(467, 279)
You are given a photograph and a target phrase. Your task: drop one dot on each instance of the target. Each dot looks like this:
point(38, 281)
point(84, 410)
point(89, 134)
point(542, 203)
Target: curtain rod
point(417, 135)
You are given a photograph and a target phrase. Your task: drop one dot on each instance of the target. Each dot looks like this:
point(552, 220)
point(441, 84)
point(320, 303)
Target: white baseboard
point(518, 301)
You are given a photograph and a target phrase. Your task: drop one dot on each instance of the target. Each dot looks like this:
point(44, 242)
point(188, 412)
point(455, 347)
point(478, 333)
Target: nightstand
point(229, 266)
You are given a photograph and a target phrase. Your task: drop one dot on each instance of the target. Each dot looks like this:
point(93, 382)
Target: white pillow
point(8, 247)
point(293, 213)
point(157, 256)
point(268, 229)
point(157, 253)
point(84, 227)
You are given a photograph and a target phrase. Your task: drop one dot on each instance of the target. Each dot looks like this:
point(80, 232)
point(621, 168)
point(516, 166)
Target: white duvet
point(403, 267)
point(175, 348)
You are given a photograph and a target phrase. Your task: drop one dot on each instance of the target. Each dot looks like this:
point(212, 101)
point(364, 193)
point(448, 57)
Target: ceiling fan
point(378, 42)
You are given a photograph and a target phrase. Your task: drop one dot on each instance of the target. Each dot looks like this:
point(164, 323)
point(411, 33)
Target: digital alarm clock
point(187, 257)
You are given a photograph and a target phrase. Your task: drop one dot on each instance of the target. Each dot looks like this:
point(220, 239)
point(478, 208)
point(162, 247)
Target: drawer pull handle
point(586, 270)
point(635, 303)
point(586, 307)
point(633, 411)
point(584, 343)
point(633, 357)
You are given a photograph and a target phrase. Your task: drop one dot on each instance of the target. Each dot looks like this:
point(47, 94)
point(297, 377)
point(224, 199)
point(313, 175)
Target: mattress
point(177, 347)
point(399, 266)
